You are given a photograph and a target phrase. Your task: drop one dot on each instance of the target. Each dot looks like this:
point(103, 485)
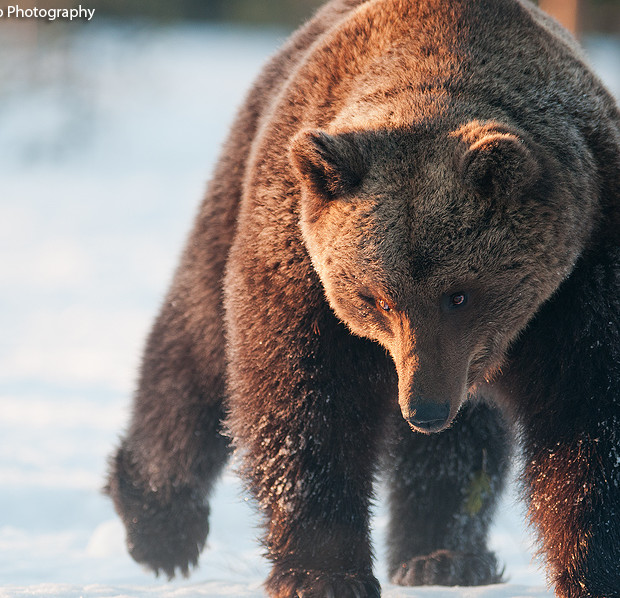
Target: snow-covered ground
point(107, 136)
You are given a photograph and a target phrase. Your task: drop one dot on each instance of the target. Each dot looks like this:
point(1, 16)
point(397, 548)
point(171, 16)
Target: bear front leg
point(313, 480)
point(316, 498)
point(575, 505)
point(443, 491)
point(306, 412)
point(174, 450)
point(562, 380)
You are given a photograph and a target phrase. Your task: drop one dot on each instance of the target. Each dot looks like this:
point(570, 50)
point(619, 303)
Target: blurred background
point(109, 129)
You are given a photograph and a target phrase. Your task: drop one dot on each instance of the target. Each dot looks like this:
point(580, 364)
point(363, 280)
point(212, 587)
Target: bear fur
point(409, 255)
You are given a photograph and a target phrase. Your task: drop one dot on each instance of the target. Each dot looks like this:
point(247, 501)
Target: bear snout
point(427, 415)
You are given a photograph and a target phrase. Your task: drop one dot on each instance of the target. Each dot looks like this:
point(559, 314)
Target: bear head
point(440, 243)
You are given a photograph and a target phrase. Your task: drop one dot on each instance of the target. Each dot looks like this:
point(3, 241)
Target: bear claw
point(323, 585)
point(448, 568)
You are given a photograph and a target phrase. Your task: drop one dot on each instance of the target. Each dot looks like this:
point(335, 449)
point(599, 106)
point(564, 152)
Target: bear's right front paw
point(312, 584)
point(447, 568)
point(166, 529)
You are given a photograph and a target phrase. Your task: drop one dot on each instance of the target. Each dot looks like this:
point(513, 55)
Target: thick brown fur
point(416, 215)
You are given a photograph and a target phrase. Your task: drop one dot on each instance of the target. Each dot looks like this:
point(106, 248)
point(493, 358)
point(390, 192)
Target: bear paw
point(447, 568)
point(166, 530)
point(322, 585)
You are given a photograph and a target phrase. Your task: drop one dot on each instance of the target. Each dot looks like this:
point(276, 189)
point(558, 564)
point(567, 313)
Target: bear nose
point(427, 415)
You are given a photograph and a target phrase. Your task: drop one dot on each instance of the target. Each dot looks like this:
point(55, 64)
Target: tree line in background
point(288, 12)
point(583, 15)
point(586, 15)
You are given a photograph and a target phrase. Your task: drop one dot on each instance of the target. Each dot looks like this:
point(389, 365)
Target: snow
point(107, 136)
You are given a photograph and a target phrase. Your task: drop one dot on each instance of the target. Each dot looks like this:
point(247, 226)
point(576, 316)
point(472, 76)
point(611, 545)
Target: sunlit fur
point(393, 153)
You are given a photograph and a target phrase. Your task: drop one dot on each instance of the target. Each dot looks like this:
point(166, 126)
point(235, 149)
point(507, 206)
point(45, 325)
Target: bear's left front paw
point(447, 568)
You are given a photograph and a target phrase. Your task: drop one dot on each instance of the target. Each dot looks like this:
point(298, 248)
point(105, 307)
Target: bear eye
point(454, 301)
point(458, 299)
point(380, 303)
point(384, 305)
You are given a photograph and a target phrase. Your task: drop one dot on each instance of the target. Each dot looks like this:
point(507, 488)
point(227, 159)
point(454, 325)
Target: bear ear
point(498, 163)
point(331, 165)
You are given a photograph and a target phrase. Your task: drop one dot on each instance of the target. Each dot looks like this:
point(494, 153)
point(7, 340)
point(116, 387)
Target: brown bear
point(408, 255)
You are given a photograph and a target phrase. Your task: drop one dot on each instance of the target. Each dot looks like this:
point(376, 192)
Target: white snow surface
point(107, 136)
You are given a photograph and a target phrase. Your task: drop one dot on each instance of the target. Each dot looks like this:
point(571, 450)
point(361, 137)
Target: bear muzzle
point(432, 376)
